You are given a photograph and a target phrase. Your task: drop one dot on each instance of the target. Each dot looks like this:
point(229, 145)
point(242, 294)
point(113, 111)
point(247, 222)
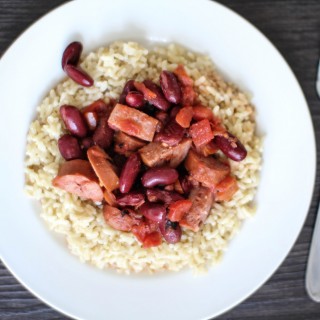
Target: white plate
point(42, 262)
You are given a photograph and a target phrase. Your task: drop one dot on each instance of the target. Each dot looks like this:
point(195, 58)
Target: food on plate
point(146, 160)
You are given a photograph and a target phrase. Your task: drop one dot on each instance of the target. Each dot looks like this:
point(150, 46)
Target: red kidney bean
point(103, 135)
point(153, 211)
point(133, 198)
point(159, 176)
point(171, 231)
point(69, 147)
point(99, 107)
point(73, 120)
point(129, 86)
point(135, 99)
point(170, 87)
point(86, 143)
point(172, 134)
point(162, 117)
point(78, 75)
point(91, 119)
point(129, 173)
point(71, 54)
point(174, 111)
point(231, 147)
point(160, 101)
point(167, 197)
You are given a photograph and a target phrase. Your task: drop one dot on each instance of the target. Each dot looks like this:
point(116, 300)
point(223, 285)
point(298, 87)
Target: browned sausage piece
point(202, 199)
point(207, 170)
point(122, 220)
point(125, 144)
point(179, 152)
point(77, 177)
point(157, 154)
point(103, 168)
point(133, 122)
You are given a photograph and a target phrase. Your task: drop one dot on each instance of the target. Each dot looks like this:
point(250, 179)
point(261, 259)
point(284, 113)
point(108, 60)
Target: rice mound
point(82, 222)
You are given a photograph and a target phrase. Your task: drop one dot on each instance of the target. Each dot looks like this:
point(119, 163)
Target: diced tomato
point(178, 209)
point(226, 189)
point(147, 93)
point(201, 132)
point(208, 149)
point(184, 117)
point(144, 228)
point(188, 95)
point(153, 239)
point(98, 106)
point(201, 112)
point(182, 76)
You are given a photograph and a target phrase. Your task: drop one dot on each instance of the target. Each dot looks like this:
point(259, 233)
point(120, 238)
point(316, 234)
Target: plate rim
point(314, 150)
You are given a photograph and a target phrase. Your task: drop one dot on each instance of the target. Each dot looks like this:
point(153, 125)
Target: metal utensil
point(313, 267)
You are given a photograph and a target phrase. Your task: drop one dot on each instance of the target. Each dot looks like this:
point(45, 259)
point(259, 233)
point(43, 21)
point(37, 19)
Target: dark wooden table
point(294, 27)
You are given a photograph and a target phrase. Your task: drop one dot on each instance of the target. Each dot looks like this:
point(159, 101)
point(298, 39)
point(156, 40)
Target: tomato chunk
point(188, 95)
point(178, 209)
point(182, 76)
point(201, 132)
point(145, 228)
point(153, 239)
point(201, 112)
point(184, 117)
point(98, 106)
point(226, 189)
point(147, 93)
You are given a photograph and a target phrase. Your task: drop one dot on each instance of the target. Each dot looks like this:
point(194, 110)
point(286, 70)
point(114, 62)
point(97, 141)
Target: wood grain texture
point(294, 27)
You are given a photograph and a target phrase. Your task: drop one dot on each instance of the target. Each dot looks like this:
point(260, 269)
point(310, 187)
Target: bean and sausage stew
point(156, 159)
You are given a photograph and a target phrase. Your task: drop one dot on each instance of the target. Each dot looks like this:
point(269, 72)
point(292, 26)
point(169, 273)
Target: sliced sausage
point(125, 144)
point(122, 220)
point(180, 152)
point(77, 177)
point(202, 199)
point(133, 122)
point(206, 170)
point(157, 154)
point(103, 168)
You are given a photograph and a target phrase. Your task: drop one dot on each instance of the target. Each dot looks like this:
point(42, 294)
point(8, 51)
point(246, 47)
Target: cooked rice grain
point(88, 236)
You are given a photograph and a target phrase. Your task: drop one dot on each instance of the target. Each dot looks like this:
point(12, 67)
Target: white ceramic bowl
point(41, 261)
